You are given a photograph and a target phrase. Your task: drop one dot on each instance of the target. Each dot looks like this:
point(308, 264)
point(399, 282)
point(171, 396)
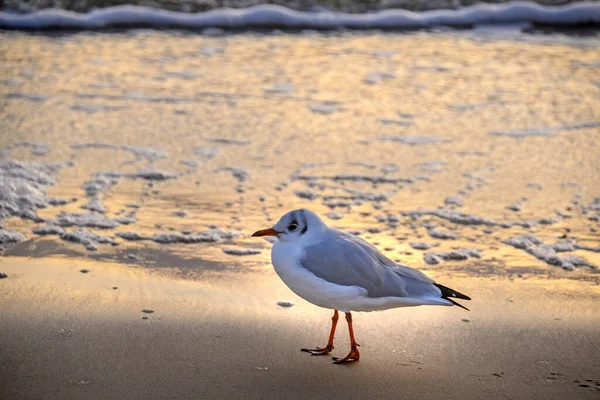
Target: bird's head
point(295, 225)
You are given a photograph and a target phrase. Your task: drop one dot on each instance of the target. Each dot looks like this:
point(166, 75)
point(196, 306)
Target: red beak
point(266, 232)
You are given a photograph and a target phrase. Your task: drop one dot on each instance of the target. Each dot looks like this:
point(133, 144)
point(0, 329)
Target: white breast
point(285, 258)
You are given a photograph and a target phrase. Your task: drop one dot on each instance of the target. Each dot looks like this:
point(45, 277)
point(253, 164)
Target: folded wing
point(347, 260)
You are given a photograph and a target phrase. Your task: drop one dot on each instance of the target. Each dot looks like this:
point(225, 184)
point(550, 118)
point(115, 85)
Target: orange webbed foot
point(354, 355)
point(319, 351)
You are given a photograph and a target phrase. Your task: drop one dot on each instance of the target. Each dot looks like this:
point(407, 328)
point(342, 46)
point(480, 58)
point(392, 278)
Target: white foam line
point(270, 15)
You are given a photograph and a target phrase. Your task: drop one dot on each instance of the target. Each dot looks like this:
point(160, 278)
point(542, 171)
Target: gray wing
point(347, 260)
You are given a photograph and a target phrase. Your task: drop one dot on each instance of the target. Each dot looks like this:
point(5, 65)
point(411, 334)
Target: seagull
point(340, 271)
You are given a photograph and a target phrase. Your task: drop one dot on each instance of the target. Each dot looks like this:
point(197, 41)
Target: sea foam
point(273, 15)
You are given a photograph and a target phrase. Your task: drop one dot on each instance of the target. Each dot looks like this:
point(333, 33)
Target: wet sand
point(71, 335)
point(149, 158)
point(157, 133)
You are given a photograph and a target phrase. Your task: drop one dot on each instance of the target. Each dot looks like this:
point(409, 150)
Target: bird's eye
point(293, 226)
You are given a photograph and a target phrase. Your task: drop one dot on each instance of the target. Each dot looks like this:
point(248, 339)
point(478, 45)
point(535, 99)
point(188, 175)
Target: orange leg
point(326, 350)
point(354, 354)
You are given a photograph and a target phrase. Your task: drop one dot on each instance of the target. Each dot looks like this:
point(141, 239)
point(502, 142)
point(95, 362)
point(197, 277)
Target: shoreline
point(135, 167)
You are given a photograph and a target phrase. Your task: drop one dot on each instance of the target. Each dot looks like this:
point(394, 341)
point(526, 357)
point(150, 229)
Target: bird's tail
point(448, 294)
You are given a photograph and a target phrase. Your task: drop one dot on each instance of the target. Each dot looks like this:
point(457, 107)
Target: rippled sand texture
point(442, 148)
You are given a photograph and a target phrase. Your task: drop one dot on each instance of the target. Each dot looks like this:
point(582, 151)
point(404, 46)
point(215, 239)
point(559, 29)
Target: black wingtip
point(447, 292)
point(458, 304)
point(450, 294)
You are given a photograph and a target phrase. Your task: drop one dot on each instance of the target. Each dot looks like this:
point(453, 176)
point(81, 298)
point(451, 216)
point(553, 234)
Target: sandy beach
point(75, 336)
point(135, 165)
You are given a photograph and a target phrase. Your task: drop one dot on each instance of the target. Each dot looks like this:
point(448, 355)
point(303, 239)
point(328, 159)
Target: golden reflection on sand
point(442, 123)
point(43, 285)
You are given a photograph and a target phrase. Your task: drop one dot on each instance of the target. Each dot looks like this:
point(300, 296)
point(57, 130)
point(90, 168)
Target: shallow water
point(208, 139)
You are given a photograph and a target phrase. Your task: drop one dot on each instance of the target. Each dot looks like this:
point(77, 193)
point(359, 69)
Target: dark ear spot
point(305, 224)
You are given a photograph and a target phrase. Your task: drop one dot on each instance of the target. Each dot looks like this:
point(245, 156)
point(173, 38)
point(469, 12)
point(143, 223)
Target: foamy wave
point(272, 15)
